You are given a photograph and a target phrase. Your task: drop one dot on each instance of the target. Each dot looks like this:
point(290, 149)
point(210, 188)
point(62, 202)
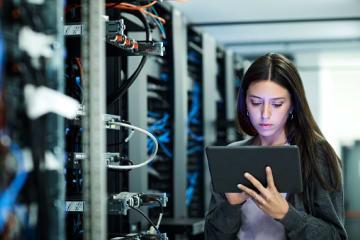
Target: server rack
point(150, 106)
point(195, 125)
point(121, 106)
point(221, 121)
point(187, 118)
point(201, 118)
point(237, 71)
point(74, 87)
point(188, 219)
point(233, 73)
point(31, 67)
point(161, 116)
point(117, 181)
point(350, 158)
point(225, 115)
point(116, 74)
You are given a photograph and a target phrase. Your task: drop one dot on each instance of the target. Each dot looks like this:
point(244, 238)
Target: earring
point(247, 113)
point(291, 116)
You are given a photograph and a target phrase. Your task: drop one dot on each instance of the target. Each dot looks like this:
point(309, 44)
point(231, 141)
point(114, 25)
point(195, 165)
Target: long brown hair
point(301, 129)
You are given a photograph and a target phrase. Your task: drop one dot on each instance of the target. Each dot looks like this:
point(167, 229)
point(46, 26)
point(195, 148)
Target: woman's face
point(269, 105)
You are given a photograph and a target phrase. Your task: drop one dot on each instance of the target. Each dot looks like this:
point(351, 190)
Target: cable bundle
point(163, 132)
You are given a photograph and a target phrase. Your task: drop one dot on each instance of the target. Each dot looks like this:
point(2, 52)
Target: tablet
point(227, 165)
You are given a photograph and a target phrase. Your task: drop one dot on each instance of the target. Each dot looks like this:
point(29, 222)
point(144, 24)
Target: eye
point(255, 103)
point(277, 105)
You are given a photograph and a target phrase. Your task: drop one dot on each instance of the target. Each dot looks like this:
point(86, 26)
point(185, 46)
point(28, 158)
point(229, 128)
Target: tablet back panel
point(228, 164)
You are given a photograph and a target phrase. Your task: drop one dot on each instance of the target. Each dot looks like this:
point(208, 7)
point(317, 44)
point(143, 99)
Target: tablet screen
point(227, 165)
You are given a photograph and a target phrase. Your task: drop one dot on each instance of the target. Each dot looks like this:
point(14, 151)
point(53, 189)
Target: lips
point(265, 125)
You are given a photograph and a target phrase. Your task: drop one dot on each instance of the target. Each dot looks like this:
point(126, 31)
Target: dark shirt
point(324, 219)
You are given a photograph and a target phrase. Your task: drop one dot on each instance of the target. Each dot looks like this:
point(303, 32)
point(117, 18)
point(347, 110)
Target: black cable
point(160, 204)
point(127, 83)
point(146, 217)
point(151, 198)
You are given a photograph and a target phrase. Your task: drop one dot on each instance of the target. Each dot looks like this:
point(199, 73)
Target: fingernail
point(246, 174)
point(239, 185)
point(268, 168)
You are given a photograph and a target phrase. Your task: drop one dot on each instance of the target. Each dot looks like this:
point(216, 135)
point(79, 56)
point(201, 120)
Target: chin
point(266, 133)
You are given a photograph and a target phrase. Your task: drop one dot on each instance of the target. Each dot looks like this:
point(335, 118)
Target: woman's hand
point(236, 198)
point(269, 200)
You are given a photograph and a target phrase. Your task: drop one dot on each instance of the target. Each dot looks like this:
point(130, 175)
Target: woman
point(272, 108)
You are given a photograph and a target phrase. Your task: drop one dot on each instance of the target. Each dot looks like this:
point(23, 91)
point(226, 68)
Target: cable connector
point(136, 48)
point(75, 159)
point(151, 48)
point(142, 236)
point(149, 198)
point(125, 43)
point(131, 199)
point(116, 27)
point(122, 202)
point(109, 119)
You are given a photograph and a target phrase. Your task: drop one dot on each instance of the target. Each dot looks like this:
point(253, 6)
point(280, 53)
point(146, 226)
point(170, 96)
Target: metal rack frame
point(93, 56)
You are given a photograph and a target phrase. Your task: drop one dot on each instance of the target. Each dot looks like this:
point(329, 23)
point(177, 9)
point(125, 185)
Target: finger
point(270, 178)
point(243, 192)
point(258, 204)
point(252, 194)
point(256, 183)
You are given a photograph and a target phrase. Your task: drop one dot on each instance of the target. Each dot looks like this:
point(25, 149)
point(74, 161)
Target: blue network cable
point(194, 110)
point(164, 138)
point(193, 145)
point(198, 148)
point(160, 126)
point(77, 79)
point(192, 179)
point(77, 180)
point(152, 114)
point(8, 196)
point(194, 57)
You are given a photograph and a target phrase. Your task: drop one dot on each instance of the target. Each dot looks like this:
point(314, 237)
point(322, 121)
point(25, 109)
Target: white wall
point(340, 97)
point(308, 65)
point(332, 85)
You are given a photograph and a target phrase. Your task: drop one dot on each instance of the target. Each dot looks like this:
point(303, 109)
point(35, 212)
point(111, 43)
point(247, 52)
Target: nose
point(266, 111)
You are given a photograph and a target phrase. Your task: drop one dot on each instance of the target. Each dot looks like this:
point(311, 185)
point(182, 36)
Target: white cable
point(152, 157)
point(159, 221)
point(130, 135)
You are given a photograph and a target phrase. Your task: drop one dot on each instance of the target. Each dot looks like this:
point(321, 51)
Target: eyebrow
point(277, 98)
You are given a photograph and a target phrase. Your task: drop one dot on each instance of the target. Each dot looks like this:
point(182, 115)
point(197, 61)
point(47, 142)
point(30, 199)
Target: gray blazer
point(324, 219)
